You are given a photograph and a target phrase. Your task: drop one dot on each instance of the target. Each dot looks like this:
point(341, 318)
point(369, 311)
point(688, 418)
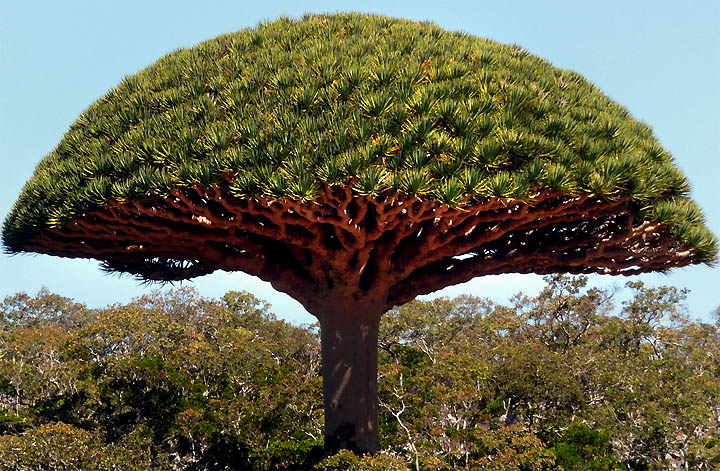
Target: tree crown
point(380, 104)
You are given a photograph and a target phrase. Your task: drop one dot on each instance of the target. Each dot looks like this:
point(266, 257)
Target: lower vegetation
point(575, 378)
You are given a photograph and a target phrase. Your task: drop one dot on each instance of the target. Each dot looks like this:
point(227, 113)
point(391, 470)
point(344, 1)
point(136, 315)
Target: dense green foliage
point(179, 382)
point(374, 102)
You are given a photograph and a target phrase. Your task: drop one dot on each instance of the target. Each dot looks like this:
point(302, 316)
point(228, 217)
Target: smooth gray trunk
point(349, 336)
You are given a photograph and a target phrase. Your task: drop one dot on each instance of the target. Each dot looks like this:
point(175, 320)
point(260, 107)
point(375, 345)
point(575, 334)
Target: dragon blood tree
point(355, 162)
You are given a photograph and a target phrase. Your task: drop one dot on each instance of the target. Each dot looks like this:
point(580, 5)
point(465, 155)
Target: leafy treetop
point(379, 104)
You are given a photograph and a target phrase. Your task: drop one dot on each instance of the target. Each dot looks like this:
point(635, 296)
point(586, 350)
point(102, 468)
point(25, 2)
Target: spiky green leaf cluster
point(375, 102)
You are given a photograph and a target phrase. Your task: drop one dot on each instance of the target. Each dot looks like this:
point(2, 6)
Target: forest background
point(568, 379)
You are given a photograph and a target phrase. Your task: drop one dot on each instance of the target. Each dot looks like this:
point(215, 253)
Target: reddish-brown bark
point(389, 246)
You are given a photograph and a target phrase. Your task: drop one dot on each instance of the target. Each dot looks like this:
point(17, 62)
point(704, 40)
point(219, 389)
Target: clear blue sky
point(660, 59)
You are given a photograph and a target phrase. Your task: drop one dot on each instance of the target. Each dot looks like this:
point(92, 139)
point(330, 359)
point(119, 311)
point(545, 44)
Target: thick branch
point(616, 247)
point(388, 248)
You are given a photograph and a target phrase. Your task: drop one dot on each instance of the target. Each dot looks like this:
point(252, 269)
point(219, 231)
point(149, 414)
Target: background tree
point(196, 383)
point(355, 162)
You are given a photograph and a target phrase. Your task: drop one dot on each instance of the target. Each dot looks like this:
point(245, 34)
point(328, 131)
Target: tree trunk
point(349, 336)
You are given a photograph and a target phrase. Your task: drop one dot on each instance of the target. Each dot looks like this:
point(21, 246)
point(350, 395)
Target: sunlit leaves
point(413, 182)
point(304, 98)
point(245, 185)
point(678, 210)
point(558, 178)
point(422, 102)
point(501, 185)
point(371, 181)
point(451, 192)
point(490, 154)
point(98, 190)
point(332, 171)
point(473, 181)
point(303, 188)
point(375, 104)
